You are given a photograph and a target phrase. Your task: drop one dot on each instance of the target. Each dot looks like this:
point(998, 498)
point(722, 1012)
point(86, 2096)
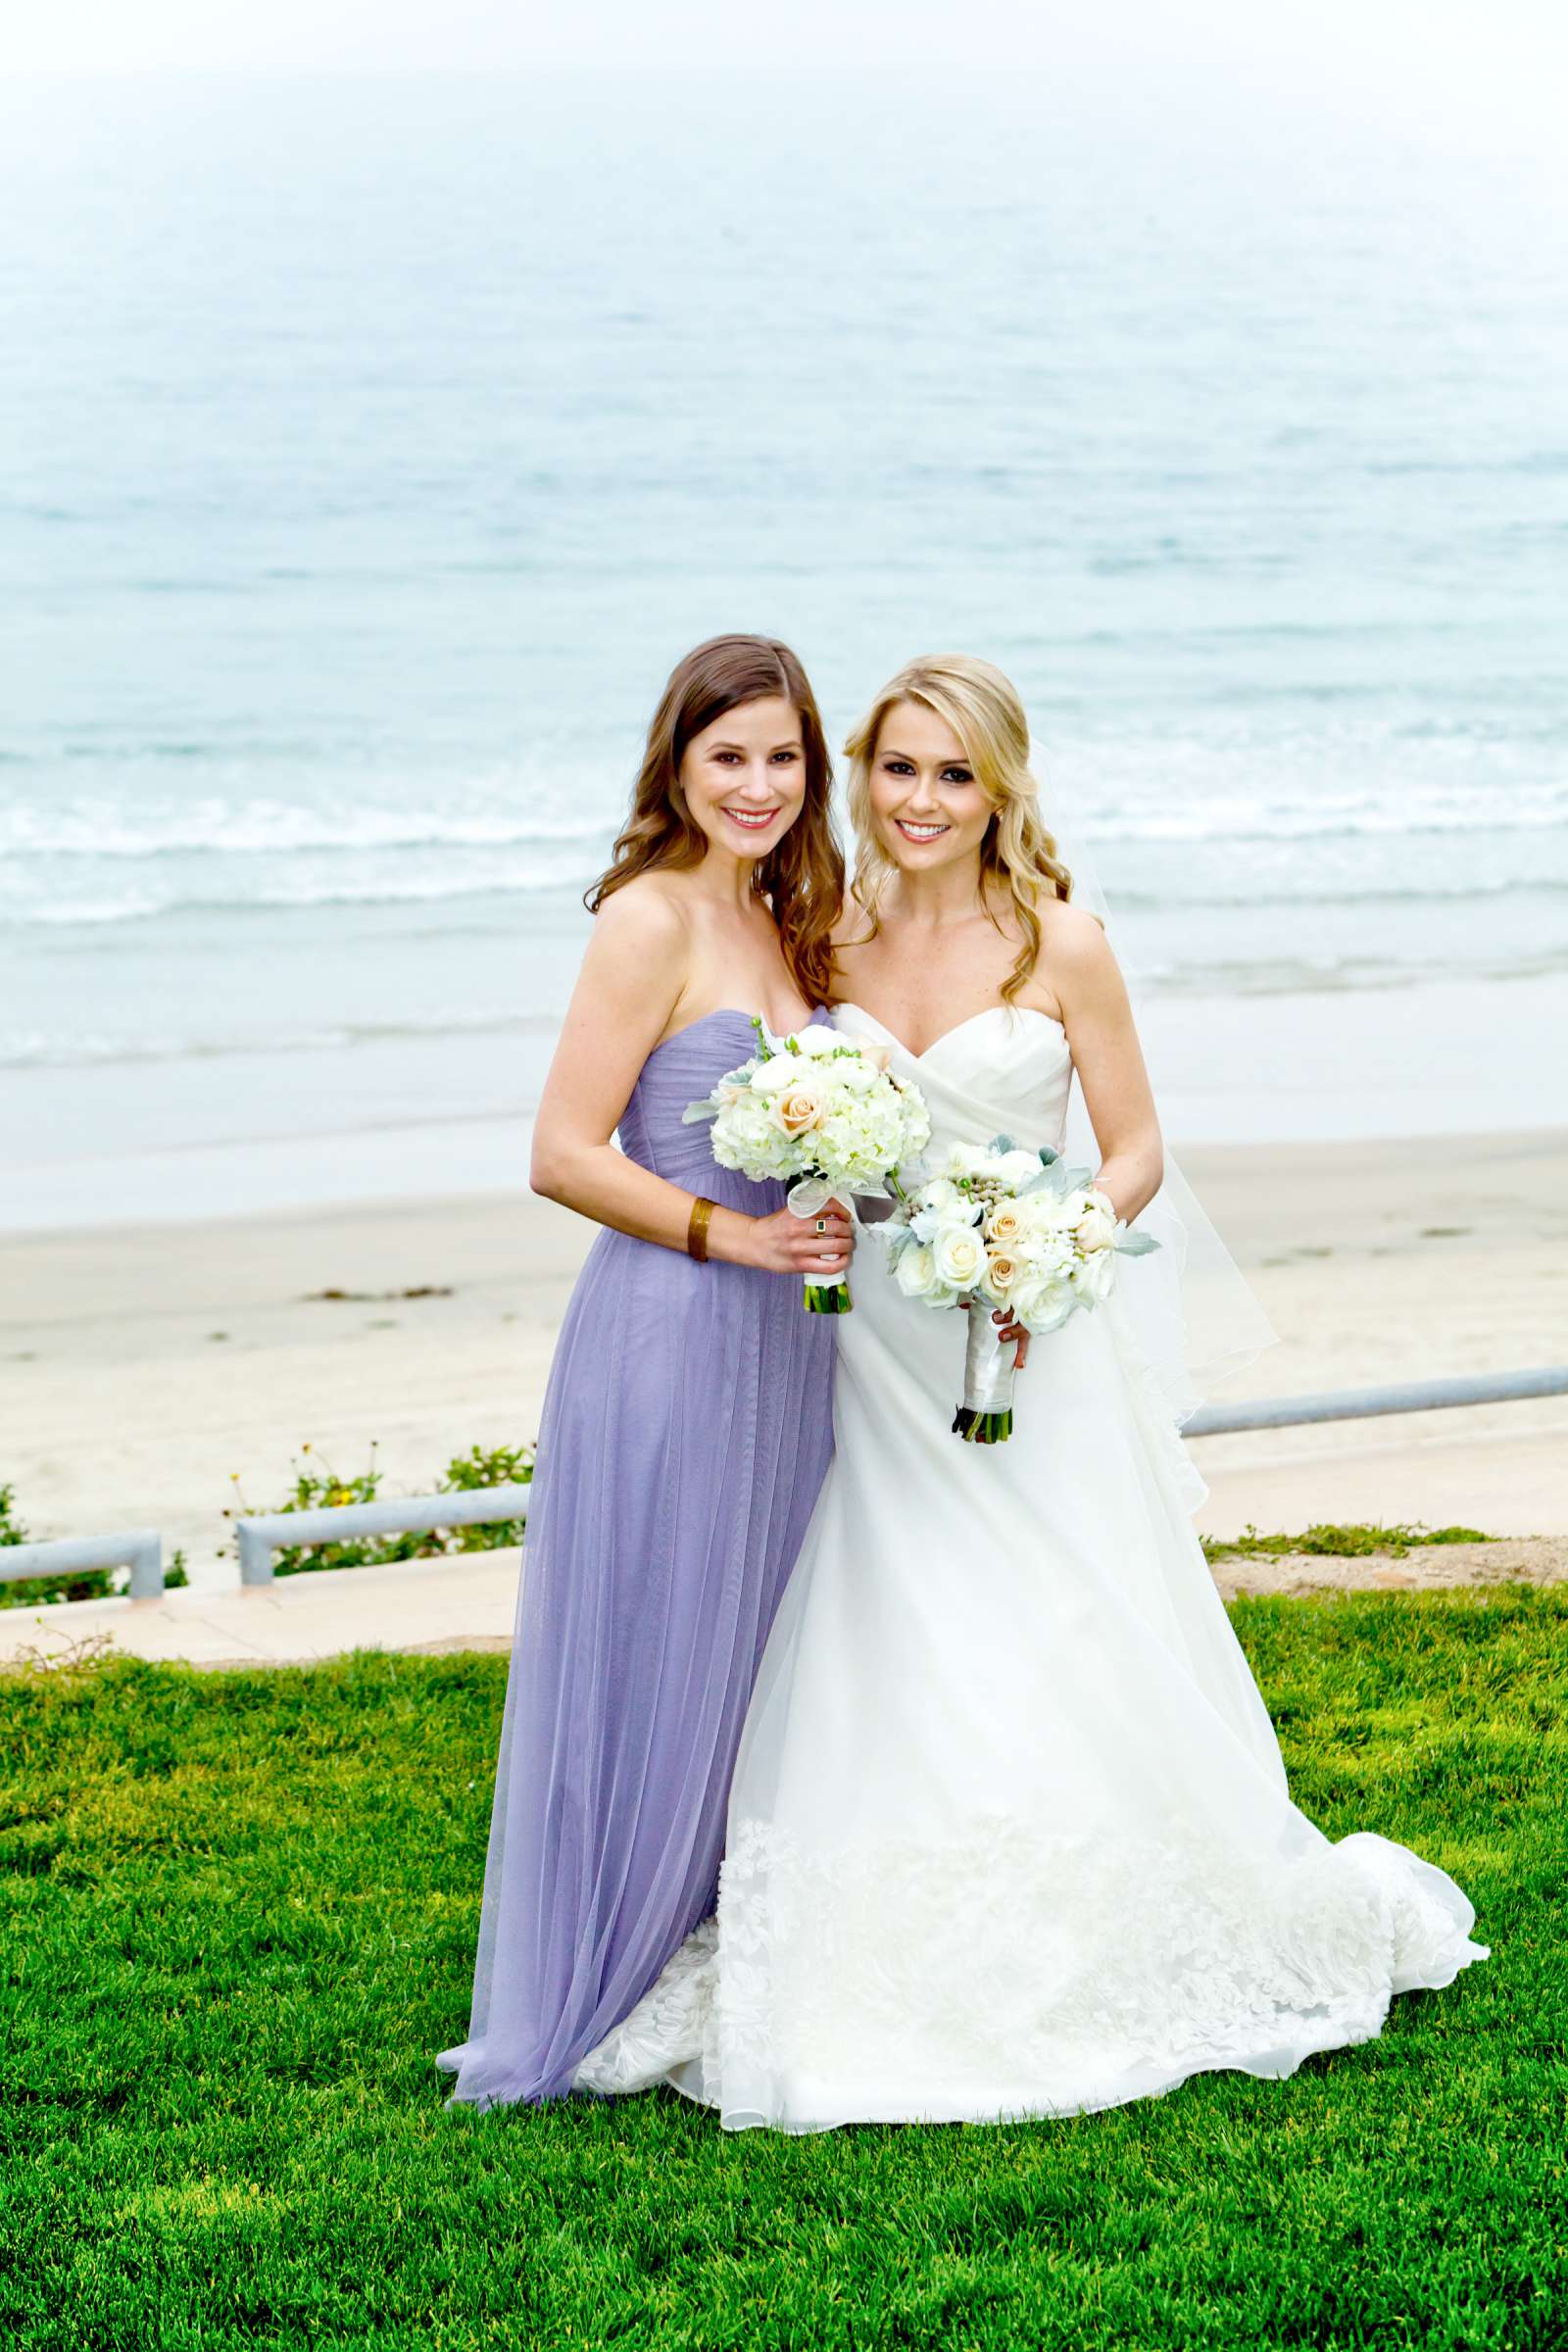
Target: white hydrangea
point(815, 1104)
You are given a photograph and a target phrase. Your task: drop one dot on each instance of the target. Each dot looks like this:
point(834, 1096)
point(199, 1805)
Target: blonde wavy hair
point(982, 707)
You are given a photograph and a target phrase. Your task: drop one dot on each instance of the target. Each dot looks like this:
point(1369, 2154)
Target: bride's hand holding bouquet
point(1018, 1232)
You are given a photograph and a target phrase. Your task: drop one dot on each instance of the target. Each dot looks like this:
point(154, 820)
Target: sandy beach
point(142, 1368)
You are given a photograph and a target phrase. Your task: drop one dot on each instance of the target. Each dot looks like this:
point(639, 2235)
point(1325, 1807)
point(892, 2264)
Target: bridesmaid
point(687, 1425)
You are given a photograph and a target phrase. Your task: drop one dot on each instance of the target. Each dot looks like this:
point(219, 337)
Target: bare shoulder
point(1074, 940)
point(646, 916)
point(1076, 958)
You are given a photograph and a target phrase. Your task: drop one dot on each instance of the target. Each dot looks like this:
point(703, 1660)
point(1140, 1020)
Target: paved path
point(470, 1602)
point(461, 1603)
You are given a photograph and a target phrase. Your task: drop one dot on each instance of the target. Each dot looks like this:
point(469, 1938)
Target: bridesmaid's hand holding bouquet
point(1001, 1227)
point(824, 1113)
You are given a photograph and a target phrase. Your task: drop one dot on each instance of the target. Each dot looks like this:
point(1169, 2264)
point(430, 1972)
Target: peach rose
point(1000, 1276)
point(799, 1107)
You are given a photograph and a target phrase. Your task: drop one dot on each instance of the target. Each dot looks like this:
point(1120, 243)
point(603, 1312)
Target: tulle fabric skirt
point(685, 1435)
point(1010, 1831)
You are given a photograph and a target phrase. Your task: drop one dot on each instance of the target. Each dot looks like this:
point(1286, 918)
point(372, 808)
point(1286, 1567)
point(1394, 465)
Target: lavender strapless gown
point(686, 1430)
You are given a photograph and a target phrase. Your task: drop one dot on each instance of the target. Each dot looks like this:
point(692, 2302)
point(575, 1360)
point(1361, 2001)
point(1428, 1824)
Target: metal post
point(1359, 1404)
point(395, 1515)
point(139, 1549)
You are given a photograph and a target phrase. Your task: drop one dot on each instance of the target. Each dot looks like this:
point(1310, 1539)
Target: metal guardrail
point(139, 1549)
point(1359, 1404)
point(397, 1515)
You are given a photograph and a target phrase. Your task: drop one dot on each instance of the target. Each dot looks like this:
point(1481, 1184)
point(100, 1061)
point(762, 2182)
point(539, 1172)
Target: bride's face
point(926, 806)
point(744, 777)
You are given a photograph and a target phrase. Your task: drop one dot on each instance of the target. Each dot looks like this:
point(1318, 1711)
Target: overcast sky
point(1441, 42)
point(1487, 78)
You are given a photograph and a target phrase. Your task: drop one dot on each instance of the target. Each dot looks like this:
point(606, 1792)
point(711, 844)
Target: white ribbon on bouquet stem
point(808, 1196)
point(990, 1362)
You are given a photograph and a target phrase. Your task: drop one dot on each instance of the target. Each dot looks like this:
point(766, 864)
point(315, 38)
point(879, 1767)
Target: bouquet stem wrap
point(985, 1417)
point(831, 1296)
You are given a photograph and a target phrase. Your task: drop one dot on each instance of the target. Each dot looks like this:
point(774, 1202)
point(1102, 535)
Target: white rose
point(772, 1076)
point(1095, 1229)
point(1042, 1301)
point(818, 1042)
point(1017, 1167)
point(916, 1273)
point(950, 1214)
point(940, 1194)
point(1047, 1212)
point(1095, 1276)
point(959, 1254)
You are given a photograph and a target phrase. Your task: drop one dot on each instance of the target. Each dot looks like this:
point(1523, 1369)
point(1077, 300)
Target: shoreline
point(257, 1135)
point(143, 1364)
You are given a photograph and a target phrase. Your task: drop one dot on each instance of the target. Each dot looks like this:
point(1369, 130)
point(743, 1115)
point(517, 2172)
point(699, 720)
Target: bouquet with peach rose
point(1001, 1227)
point(824, 1113)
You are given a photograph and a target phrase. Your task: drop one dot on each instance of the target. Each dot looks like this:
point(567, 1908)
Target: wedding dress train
point(1009, 1832)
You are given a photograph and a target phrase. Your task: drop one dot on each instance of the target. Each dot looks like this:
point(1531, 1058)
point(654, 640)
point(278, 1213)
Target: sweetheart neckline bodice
point(974, 1019)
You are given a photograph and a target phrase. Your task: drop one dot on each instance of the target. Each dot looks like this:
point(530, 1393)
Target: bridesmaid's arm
point(1080, 966)
point(632, 984)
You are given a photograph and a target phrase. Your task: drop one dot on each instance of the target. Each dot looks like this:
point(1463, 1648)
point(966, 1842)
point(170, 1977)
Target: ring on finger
point(821, 1224)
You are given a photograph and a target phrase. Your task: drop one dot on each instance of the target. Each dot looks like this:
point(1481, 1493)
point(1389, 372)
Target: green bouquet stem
point(983, 1429)
point(809, 1196)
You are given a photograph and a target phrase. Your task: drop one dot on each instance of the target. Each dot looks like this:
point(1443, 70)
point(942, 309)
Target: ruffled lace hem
point(668, 2026)
point(1018, 1975)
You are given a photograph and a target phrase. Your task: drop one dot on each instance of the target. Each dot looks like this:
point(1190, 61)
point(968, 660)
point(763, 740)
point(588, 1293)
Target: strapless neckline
point(987, 1012)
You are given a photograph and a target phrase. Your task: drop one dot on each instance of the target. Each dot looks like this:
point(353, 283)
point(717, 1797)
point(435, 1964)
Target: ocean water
point(369, 451)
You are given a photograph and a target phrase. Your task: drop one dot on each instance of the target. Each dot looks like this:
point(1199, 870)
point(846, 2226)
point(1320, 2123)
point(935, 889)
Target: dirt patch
point(1426, 1567)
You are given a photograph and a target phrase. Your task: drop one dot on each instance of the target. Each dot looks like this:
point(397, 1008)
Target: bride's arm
point(1079, 964)
point(631, 983)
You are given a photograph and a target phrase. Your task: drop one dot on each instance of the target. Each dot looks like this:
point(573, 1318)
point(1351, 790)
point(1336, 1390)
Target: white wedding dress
point(1010, 1831)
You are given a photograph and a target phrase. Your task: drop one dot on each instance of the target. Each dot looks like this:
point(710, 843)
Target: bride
point(1009, 1832)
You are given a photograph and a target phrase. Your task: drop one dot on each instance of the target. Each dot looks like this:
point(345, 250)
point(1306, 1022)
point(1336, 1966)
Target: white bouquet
point(1003, 1227)
point(824, 1113)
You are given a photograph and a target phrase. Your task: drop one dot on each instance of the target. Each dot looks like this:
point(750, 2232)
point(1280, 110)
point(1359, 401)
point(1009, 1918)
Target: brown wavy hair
point(802, 877)
point(1018, 855)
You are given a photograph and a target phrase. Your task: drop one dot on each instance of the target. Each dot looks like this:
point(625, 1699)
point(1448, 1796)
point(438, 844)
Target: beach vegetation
point(12, 1530)
point(240, 1917)
point(1357, 1541)
point(317, 1486)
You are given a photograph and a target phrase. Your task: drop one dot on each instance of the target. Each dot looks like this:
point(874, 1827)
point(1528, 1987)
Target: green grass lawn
point(239, 1917)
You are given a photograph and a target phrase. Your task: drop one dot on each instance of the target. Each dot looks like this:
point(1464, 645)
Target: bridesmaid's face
point(927, 808)
point(744, 777)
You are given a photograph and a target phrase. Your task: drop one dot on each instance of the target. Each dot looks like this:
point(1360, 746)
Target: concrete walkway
point(469, 1603)
point(466, 1603)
